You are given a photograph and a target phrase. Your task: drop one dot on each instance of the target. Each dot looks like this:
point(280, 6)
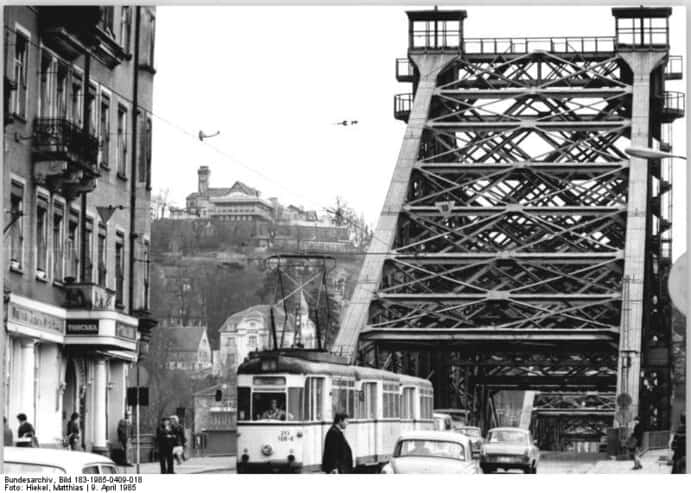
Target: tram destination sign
point(81, 327)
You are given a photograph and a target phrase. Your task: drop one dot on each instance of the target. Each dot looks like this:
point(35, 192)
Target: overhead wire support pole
point(86, 114)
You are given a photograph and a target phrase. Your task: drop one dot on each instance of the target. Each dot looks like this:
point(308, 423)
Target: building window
point(147, 39)
point(147, 273)
point(107, 15)
point(102, 259)
point(17, 229)
point(58, 241)
point(144, 171)
point(61, 91)
point(76, 101)
point(41, 237)
point(119, 268)
point(47, 82)
point(89, 245)
point(104, 131)
point(252, 342)
point(122, 141)
point(72, 245)
point(125, 27)
point(21, 63)
point(93, 109)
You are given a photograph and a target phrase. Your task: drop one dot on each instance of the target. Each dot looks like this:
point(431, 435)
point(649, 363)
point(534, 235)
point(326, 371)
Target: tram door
point(315, 423)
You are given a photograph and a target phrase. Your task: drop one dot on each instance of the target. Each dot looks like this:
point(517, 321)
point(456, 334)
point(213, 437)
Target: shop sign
point(82, 327)
point(125, 331)
point(35, 319)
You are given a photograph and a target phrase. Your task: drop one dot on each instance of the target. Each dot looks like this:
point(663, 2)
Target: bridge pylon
point(519, 247)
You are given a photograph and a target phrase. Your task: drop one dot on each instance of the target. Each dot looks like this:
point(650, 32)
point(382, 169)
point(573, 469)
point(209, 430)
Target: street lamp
point(648, 153)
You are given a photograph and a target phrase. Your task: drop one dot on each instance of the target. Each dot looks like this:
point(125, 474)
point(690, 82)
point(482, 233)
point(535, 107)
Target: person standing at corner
point(337, 458)
point(123, 435)
point(165, 440)
point(678, 447)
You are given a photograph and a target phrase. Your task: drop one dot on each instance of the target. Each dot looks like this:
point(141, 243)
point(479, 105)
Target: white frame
point(21, 221)
point(45, 196)
point(19, 29)
point(63, 204)
point(107, 93)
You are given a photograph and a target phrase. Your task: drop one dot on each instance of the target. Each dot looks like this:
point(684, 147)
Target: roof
point(447, 436)
point(71, 461)
point(263, 310)
point(238, 186)
point(185, 338)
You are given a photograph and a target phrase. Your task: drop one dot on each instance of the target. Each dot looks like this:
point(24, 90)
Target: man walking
point(165, 440)
point(74, 433)
point(180, 440)
point(337, 458)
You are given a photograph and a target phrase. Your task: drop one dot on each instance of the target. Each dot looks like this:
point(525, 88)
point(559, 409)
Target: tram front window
point(269, 405)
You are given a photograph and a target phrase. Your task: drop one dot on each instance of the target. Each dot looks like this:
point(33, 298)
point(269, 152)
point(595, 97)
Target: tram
point(286, 403)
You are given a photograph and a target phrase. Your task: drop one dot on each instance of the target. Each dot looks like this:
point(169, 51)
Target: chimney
point(203, 174)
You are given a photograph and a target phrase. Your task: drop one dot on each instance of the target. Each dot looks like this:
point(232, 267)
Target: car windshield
point(429, 448)
point(508, 436)
point(470, 432)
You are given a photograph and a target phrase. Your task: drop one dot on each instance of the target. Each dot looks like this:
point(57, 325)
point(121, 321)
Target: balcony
point(71, 31)
point(674, 70)
point(89, 296)
point(405, 71)
point(402, 104)
point(673, 106)
point(64, 156)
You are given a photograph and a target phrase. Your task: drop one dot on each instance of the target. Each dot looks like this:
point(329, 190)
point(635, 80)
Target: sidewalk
point(653, 462)
point(193, 465)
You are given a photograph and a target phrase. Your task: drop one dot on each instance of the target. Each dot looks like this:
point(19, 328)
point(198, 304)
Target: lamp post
point(648, 153)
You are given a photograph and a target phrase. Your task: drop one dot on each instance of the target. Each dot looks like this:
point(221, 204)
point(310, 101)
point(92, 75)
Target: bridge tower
point(519, 246)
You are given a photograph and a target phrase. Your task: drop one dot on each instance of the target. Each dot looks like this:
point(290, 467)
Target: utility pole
point(3, 330)
point(86, 112)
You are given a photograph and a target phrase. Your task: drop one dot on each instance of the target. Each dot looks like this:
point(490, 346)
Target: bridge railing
point(593, 44)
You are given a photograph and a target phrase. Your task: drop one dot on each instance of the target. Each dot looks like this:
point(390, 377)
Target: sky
point(274, 80)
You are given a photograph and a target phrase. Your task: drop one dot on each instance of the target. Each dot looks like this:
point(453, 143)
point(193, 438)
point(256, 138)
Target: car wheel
point(532, 469)
point(487, 470)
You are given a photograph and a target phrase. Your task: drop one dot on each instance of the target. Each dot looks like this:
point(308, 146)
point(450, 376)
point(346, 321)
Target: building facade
point(77, 168)
point(189, 348)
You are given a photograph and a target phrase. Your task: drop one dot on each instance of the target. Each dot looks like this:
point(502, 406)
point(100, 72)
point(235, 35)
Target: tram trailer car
point(287, 400)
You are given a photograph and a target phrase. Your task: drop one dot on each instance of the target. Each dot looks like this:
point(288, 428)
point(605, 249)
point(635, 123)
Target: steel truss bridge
point(519, 246)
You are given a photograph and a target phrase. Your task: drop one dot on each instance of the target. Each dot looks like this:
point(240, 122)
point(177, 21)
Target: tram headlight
point(267, 450)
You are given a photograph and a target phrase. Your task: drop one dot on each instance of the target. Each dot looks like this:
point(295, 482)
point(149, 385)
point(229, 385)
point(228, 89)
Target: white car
point(436, 452)
point(27, 460)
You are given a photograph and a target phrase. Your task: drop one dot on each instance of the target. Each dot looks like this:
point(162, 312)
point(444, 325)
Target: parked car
point(442, 422)
point(25, 460)
point(459, 417)
point(475, 435)
point(436, 452)
point(509, 448)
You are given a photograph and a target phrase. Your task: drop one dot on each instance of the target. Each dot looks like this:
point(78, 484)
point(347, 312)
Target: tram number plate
point(504, 459)
point(284, 436)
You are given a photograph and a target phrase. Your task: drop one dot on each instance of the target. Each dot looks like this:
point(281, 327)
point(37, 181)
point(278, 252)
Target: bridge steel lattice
point(519, 246)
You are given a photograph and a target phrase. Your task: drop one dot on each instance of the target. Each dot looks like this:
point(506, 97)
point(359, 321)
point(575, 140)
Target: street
point(652, 464)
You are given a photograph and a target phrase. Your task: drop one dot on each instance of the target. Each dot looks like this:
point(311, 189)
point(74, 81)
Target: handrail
point(566, 44)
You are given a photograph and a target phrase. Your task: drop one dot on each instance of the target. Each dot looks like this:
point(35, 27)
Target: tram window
point(370, 400)
point(294, 404)
point(243, 403)
point(314, 405)
point(269, 405)
point(426, 403)
point(407, 403)
point(343, 397)
point(391, 401)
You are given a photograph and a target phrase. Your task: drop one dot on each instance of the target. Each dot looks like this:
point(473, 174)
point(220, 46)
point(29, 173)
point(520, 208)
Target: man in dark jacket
point(338, 458)
point(165, 440)
point(123, 436)
point(26, 435)
point(679, 448)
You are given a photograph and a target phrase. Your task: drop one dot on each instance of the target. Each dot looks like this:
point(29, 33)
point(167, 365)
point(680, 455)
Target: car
point(442, 422)
point(436, 452)
point(459, 417)
point(28, 460)
point(509, 448)
point(475, 435)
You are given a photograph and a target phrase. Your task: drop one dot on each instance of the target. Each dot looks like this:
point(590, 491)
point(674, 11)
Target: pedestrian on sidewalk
point(74, 433)
point(26, 435)
point(678, 447)
point(337, 458)
point(123, 436)
point(634, 443)
point(180, 440)
point(9, 436)
point(165, 441)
